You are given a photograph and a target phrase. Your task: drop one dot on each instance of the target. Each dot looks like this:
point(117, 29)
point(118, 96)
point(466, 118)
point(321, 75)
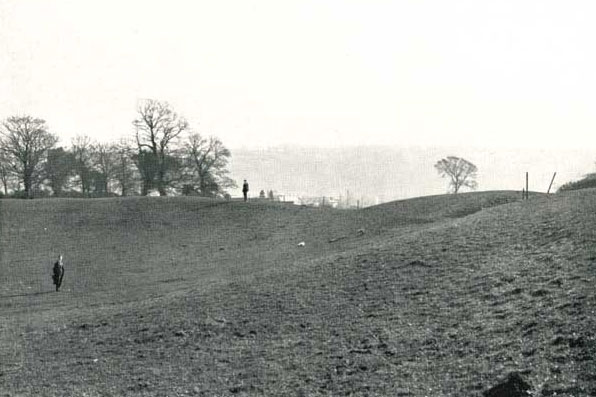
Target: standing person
point(58, 273)
point(245, 190)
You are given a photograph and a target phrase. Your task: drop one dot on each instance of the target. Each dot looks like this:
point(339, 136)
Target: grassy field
point(434, 296)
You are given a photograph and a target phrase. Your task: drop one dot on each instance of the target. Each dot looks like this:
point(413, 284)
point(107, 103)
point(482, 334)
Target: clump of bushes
point(587, 182)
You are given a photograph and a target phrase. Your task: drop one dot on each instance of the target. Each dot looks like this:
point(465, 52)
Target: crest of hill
point(437, 207)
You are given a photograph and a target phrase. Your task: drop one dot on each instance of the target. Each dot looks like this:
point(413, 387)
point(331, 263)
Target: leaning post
point(551, 183)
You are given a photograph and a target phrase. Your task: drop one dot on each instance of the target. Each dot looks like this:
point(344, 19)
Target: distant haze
point(388, 173)
point(319, 73)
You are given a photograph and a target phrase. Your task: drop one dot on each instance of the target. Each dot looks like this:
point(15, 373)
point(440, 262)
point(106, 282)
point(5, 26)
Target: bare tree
point(106, 157)
point(157, 128)
point(82, 148)
point(124, 173)
point(461, 172)
point(208, 160)
point(25, 141)
point(6, 174)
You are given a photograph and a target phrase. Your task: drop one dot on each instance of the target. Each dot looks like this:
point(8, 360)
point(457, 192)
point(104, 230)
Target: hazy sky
point(483, 73)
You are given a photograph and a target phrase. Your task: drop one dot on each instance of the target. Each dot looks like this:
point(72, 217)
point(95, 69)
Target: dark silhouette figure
point(58, 273)
point(245, 190)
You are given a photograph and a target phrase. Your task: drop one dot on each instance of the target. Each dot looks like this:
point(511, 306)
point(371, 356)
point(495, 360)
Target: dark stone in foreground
point(418, 263)
point(513, 386)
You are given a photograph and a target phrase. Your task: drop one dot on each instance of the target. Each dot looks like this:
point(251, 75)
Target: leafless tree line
point(163, 155)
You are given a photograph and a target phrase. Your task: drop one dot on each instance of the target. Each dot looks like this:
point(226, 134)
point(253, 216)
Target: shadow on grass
point(27, 294)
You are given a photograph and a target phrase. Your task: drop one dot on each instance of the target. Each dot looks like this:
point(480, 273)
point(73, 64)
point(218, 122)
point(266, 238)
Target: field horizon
point(440, 295)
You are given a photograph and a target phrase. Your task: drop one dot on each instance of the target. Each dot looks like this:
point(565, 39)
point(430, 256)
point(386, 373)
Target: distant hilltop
point(376, 174)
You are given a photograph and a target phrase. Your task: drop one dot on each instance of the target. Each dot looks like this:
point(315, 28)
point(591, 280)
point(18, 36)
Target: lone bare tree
point(157, 128)
point(25, 141)
point(461, 172)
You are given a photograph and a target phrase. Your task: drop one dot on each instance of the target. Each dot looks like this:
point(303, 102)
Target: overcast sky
point(325, 73)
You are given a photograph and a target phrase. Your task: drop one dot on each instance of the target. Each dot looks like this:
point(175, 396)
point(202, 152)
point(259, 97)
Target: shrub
point(587, 182)
point(18, 194)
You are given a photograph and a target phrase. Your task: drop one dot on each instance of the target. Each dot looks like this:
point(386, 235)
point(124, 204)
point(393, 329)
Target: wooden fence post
point(551, 182)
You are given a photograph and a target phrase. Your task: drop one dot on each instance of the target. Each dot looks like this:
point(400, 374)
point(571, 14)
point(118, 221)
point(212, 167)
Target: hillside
point(440, 295)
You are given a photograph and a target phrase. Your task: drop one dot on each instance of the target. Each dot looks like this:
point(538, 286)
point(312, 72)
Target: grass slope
point(441, 295)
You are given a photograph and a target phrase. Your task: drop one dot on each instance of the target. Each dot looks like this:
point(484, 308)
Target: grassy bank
point(434, 296)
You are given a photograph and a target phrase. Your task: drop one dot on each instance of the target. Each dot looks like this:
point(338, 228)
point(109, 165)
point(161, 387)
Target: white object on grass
point(301, 244)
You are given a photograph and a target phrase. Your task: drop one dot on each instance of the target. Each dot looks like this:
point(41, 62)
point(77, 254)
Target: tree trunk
point(161, 175)
point(123, 183)
point(160, 181)
point(203, 182)
point(5, 183)
point(160, 185)
point(28, 185)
